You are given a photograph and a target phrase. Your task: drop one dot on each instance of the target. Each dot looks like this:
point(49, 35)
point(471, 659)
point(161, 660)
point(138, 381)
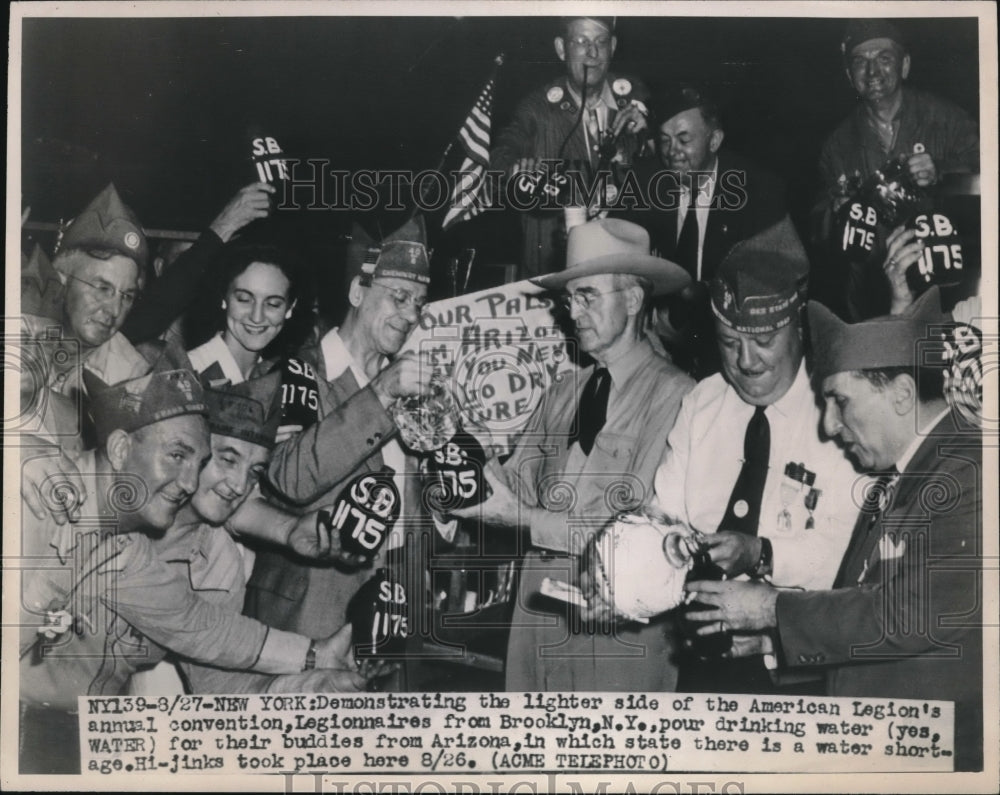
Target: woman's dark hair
point(237, 257)
point(208, 317)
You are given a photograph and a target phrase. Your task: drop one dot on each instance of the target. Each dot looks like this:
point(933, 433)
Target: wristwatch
point(764, 565)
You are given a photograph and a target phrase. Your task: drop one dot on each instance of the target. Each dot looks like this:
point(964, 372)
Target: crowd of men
point(831, 469)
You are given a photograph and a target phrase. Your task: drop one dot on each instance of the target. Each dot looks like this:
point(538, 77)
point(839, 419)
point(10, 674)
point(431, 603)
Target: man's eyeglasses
point(106, 292)
point(403, 298)
point(584, 299)
point(584, 44)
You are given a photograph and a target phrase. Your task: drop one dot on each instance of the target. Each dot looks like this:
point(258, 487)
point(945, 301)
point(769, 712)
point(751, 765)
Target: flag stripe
point(467, 197)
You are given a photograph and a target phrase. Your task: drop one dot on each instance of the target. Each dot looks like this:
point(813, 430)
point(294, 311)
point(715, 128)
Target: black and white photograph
point(501, 397)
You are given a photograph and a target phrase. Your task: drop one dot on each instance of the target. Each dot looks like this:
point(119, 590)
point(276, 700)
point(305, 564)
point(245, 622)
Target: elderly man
point(96, 592)
point(702, 200)
point(892, 118)
point(745, 461)
point(99, 266)
point(570, 119)
point(594, 438)
point(243, 420)
point(358, 377)
point(904, 619)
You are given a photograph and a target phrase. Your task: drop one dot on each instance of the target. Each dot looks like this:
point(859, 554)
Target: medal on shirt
point(797, 478)
point(365, 512)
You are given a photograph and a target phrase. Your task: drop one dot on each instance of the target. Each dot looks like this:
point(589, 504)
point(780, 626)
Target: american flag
point(468, 197)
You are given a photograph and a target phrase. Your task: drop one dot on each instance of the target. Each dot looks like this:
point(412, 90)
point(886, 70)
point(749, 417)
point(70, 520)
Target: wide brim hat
point(611, 245)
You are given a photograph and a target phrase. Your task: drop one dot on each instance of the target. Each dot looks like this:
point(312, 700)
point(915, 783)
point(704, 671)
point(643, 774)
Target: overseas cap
point(858, 31)
point(761, 283)
point(679, 98)
point(108, 223)
point(401, 255)
point(250, 410)
point(888, 341)
point(142, 401)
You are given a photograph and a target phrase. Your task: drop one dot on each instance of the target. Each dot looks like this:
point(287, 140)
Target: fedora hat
point(610, 245)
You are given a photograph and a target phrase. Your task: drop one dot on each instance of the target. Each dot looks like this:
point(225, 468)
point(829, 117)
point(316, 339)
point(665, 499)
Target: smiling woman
point(258, 296)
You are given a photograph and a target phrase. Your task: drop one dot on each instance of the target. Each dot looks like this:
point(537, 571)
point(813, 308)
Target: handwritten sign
point(499, 350)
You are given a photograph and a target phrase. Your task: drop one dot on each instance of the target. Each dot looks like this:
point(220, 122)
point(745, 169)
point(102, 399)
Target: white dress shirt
point(704, 458)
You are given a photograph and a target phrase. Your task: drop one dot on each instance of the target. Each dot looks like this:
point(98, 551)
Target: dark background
point(163, 106)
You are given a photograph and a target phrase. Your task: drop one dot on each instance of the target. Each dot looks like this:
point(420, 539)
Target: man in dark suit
point(702, 200)
point(904, 619)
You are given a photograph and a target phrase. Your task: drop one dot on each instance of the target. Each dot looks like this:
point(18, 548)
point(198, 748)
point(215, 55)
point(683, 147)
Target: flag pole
point(497, 63)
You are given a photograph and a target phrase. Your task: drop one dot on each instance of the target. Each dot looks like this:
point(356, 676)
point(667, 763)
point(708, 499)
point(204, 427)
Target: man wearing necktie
point(745, 462)
point(588, 453)
point(904, 619)
point(703, 199)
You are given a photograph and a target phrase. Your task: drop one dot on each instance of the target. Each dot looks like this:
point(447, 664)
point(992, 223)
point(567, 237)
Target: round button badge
point(741, 508)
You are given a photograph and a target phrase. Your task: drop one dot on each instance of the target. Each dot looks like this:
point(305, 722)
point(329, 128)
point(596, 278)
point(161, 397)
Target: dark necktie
point(743, 512)
point(876, 501)
point(593, 409)
point(686, 254)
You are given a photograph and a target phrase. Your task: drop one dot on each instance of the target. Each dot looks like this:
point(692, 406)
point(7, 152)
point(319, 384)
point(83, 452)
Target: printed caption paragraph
point(537, 732)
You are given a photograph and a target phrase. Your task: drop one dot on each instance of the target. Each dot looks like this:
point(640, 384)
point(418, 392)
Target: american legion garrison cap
point(138, 402)
point(250, 410)
point(906, 340)
point(107, 223)
point(761, 284)
point(402, 254)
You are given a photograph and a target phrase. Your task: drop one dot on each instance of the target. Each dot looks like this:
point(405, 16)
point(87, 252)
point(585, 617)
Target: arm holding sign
point(170, 294)
point(905, 249)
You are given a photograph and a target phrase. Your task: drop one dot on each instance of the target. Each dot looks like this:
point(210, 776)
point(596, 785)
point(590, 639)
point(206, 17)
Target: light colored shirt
point(581, 493)
point(706, 190)
point(113, 362)
point(600, 112)
point(215, 351)
point(704, 458)
point(114, 594)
